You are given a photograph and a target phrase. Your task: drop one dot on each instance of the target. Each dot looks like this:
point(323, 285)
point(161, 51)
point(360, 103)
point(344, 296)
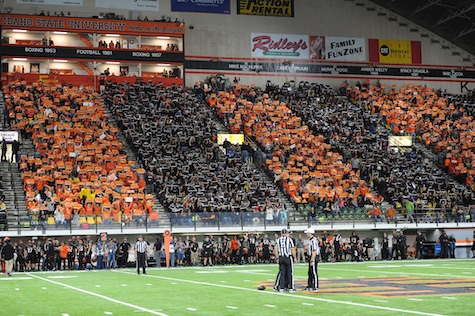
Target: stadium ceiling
point(452, 20)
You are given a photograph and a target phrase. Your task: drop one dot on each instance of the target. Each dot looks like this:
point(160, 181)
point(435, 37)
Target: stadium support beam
point(457, 14)
point(467, 31)
point(429, 4)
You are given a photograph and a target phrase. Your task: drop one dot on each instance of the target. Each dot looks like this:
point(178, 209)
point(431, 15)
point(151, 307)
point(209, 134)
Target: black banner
point(91, 53)
point(329, 69)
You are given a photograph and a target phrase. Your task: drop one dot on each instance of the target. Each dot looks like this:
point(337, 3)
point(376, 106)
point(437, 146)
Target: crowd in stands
point(352, 130)
point(3, 208)
point(79, 173)
point(174, 136)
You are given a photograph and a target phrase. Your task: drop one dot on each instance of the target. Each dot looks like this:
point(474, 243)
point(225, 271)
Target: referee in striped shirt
point(141, 253)
point(285, 251)
point(313, 257)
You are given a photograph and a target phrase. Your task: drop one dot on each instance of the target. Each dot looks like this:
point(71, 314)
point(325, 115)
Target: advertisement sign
point(395, 51)
point(265, 45)
point(284, 8)
point(89, 25)
point(92, 53)
point(77, 3)
point(136, 5)
point(337, 48)
point(215, 6)
point(9, 136)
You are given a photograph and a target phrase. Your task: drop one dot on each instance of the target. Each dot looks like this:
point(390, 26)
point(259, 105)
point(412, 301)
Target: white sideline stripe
point(98, 295)
point(286, 294)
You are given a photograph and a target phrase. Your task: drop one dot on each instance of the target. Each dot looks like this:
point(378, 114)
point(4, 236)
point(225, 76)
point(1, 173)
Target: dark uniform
point(285, 250)
point(419, 243)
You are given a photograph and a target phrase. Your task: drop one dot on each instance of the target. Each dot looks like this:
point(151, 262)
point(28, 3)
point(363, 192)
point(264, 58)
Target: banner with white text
point(282, 46)
point(135, 5)
point(338, 48)
point(76, 3)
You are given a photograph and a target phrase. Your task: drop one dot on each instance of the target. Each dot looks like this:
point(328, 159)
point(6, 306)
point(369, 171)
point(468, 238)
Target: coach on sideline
point(285, 251)
point(141, 253)
point(313, 258)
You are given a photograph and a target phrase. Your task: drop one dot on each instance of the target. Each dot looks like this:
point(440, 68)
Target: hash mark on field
point(123, 284)
point(466, 272)
point(43, 288)
point(191, 309)
point(65, 314)
point(149, 284)
point(231, 307)
point(98, 286)
point(174, 283)
point(17, 289)
point(415, 299)
point(108, 313)
point(268, 305)
point(307, 304)
point(449, 297)
point(247, 280)
point(223, 281)
point(381, 301)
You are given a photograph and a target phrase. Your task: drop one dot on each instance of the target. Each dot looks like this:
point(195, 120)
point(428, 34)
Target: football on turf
point(261, 287)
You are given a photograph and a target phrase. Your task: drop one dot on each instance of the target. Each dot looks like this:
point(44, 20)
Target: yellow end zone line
point(98, 295)
point(306, 297)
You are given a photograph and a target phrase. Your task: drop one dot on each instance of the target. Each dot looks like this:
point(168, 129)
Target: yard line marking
point(306, 297)
point(307, 304)
point(15, 279)
point(268, 305)
point(97, 295)
point(62, 277)
point(231, 307)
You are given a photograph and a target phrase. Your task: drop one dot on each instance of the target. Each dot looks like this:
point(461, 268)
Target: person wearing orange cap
point(7, 255)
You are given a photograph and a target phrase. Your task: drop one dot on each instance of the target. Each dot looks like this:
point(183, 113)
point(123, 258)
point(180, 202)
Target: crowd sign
point(338, 48)
point(213, 6)
point(284, 8)
point(283, 46)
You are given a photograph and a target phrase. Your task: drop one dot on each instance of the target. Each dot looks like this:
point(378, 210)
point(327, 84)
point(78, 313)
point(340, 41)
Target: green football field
point(426, 287)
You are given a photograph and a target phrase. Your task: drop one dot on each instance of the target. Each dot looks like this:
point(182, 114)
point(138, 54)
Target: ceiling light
point(59, 32)
point(163, 37)
point(113, 62)
point(165, 65)
point(60, 60)
point(20, 59)
point(19, 31)
point(113, 35)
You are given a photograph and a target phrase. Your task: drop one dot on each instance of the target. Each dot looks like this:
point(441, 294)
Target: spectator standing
point(141, 254)
point(300, 249)
point(4, 150)
point(402, 245)
point(444, 245)
point(313, 258)
point(124, 249)
point(157, 251)
point(111, 249)
point(385, 247)
point(172, 253)
point(194, 251)
point(337, 246)
point(285, 251)
point(452, 244)
point(395, 248)
point(180, 252)
point(8, 254)
point(409, 211)
point(15, 150)
point(420, 240)
point(100, 254)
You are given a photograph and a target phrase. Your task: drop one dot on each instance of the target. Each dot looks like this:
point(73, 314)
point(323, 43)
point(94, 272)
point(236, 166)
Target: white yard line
point(287, 294)
point(393, 272)
point(98, 295)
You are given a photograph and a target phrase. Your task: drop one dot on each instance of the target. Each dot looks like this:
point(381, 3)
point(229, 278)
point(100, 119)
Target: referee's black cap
point(285, 231)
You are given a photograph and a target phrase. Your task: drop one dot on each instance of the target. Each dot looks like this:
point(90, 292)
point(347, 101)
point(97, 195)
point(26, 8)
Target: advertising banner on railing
point(89, 25)
point(395, 51)
point(136, 5)
point(207, 6)
point(77, 3)
point(338, 48)
point(284, 8)
point(282, 46)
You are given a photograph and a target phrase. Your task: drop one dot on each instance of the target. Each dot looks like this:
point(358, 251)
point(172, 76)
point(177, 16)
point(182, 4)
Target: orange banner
point(166, 243)
point(90, 25)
